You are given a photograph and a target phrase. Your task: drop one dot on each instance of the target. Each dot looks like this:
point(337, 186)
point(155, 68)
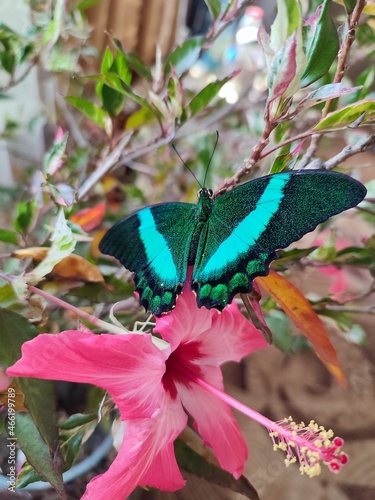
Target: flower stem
point(108, 327)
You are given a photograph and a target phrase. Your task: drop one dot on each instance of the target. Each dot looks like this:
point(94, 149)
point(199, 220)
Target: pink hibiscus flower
point(153, 387)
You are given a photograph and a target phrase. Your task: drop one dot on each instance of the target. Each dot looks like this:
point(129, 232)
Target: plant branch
point(349, 151)
point(13, 82)
point(256, 154)
point(351, 309)
point(119, 157)
point(342, 66)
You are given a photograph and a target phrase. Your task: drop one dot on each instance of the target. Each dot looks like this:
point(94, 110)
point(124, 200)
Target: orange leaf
point(97, 236)
point(72, 266)
point(19, 398)
point(37, 253)
point(76, 267)
point(89, 218)
point(299, 310)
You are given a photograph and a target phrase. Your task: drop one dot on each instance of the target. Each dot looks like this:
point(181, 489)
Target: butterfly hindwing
point(248, 224)
point(154, 243)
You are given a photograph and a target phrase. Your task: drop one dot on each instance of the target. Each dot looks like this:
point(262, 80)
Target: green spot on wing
point(167, 298)
point(239, 280)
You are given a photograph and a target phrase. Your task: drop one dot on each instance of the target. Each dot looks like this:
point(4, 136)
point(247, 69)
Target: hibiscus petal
point(222, 337)
point(231, 337)
point(146, 456)
point(129, 367)
point(186, 321)
point(216, 423)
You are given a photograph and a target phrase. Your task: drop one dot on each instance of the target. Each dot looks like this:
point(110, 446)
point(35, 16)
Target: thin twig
point(351, 309)
point(74, 129)
point(13, 82)
point(349, 151)
point(107, 164)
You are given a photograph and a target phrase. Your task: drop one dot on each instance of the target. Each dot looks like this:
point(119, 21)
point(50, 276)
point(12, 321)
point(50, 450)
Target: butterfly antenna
point(184, 163)
point(212, 155)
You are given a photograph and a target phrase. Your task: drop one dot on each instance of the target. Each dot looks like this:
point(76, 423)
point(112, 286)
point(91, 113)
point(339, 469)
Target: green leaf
point(134, 62)
point(116, 83)
point(26, 210)
point(107, 60)
point(205, 96)
point(89, 109)
point(53, 29)
point(289, 258)
point(350, 5)
point(14, 331)
point(141, 117)
point(321, 44)
point(86, 4)
point(282, 162)
point(8, 236)
point(280, 326)
point(8, 60)
point(71, 446)
point(7, 295)
point(73, 430)
point(113, 101)
point(191, 461)
point(36, 433)
point(214, 6)
point(77, 420)
point(363, 110)
point(38, 453)
point(184, 56)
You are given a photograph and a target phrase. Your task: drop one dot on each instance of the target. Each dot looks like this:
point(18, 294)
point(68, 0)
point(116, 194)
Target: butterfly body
point(228, 240)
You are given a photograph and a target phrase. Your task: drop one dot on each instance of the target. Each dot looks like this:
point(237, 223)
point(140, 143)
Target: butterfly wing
point(248, 225)
point(154, 243)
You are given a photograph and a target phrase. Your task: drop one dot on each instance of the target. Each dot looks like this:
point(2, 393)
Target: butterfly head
point(205, 193)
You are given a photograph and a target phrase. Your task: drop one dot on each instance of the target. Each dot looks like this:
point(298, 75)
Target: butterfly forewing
point(154, 243)
point(249, 223)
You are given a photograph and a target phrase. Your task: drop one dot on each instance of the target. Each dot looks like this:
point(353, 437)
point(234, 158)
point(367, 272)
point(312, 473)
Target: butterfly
point(229, 240)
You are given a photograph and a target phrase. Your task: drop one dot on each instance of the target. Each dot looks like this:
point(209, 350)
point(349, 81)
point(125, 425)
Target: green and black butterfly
point(229, 240)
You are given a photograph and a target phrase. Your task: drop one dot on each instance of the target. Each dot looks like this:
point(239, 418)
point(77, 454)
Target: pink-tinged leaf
point(264, 42)
point(363, 110)
point(282, 69)
point(299, 310)
point(54, 158)
point(324, 93)
point(89, 218)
